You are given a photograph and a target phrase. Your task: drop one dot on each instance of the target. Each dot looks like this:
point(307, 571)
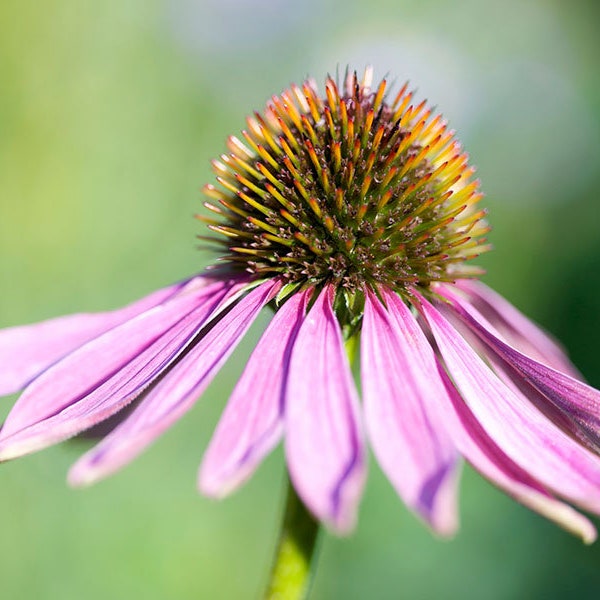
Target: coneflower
point(354, 215)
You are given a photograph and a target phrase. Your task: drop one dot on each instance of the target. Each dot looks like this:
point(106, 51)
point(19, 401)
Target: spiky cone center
point(351, 188)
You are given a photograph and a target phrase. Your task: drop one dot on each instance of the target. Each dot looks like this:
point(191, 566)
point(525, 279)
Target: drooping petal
point(114, 393)
point(62, 401)
point(26, 351)
point(252, 423)
point(486, 457)
point(176, 392)
point(521, 431)
point(323, 438)
point(518, 330)
point(577, 402)
point(400, 391)
point(481, 451)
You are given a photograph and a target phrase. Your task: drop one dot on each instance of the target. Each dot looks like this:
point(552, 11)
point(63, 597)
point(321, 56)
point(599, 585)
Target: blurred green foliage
point(109, 114)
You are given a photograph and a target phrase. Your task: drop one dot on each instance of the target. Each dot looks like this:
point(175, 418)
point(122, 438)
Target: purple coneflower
point(353, 215)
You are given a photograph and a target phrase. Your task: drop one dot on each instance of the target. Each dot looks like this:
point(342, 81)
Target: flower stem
point(293, 566)
point(291, 572)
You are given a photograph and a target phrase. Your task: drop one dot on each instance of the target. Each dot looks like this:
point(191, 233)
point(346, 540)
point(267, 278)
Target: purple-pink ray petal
point(486, 457)
point(72, 395)
point(26, 351)
point(252, 423)
point(114, 393)
point(522, 432)
point(400, 391)
point(577, 402)
point(323, 438)
point(176, 392)
point(518, 330)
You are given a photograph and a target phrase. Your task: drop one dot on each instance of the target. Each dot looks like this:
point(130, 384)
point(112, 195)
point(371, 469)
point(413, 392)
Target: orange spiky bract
point(347, 188)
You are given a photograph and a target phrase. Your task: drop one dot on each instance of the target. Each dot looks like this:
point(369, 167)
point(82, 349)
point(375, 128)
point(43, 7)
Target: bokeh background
point(109, 114)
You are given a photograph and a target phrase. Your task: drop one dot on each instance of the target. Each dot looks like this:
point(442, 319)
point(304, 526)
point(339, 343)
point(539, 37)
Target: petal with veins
point(577, 404)
point(406, 433)
point(324, 443)
point(113, 393)
point(519, 331)
point(28, 350)
point(252, 423)
point(176, 392)
point(523, 433)
point(486, 457)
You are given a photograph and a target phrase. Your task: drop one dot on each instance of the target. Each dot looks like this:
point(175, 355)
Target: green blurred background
point(109, 114)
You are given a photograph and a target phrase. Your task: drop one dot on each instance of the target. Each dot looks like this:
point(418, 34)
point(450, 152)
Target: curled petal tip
point(79, 479)
point(11, 450)
point(590, 537)
point(566, 517)
point(343, 527)
point(213, 488)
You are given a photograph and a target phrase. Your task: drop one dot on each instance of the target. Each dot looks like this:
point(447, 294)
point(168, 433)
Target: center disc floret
point(351, 188)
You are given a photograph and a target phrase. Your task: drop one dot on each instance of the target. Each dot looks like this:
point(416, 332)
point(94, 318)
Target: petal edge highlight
point(323, 438)
point(252, 422)
point(75, 393)
point(577, 403)
point(523, 433)
point(175, 393)
point(400, 389)
point(27, 351)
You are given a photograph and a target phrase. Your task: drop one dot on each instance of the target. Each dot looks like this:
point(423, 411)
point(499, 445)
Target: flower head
point(349, 190)
point(352, 214)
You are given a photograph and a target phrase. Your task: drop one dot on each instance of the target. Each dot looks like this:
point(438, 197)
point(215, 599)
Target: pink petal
point(577, 402)
point(28, 350)
point(482, 452)
point(114, 393)
point(519, 331)
point(523, 433)
point(485, 456)
point(252, 422)
point(476, 446)
point(62, 401)
point(400, 391)
point(175, 393)
point(324, 443)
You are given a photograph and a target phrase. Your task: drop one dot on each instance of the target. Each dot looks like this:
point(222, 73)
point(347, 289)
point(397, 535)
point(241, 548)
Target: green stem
point(291, 573)
point(292, 568)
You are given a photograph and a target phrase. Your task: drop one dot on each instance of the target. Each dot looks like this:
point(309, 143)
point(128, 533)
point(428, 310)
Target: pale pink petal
point(96, 369)
point(114, 393)
point(476, 446)
point(252, 423)
point(400, 391)
point(521, 431)
point(176, 392)
point(483, 453)
point(578, 403)
point(518, 330)
point(323, 438)
point(28, 350)
point(485, 456)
